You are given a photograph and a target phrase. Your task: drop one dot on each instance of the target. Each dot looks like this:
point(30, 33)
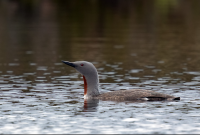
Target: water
point(132, 48)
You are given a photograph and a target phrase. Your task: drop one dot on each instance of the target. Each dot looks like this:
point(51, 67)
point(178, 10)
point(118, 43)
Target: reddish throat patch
point(85, 85)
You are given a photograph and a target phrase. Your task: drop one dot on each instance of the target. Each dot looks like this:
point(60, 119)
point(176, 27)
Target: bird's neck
point(91, 86)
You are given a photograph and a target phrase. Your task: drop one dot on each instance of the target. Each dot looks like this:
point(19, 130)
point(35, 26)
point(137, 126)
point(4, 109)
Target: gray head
point(90, 75)
point(84, 67)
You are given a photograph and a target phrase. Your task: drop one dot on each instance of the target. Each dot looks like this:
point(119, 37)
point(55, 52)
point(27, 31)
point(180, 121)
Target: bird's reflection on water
point(90, 105)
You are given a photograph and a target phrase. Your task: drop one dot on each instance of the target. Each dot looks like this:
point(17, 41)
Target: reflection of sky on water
point(35, 107)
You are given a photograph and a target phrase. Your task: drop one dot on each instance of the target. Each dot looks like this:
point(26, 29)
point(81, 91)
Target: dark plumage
point(135, 94)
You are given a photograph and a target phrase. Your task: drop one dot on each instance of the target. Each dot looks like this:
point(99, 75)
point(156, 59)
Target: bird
point(91, 87)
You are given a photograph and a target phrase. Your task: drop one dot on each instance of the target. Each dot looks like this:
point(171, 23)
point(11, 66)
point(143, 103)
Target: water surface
point(132, 48)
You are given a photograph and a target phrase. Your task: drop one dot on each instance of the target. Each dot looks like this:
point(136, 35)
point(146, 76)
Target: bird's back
point(135, 94)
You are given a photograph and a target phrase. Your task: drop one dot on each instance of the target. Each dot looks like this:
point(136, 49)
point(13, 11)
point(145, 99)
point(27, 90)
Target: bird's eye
point(82, 64)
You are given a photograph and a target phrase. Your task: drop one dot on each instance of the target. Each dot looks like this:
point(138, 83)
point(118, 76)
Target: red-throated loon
point(91, 87)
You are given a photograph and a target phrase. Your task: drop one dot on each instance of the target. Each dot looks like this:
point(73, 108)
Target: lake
point(133, 44)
